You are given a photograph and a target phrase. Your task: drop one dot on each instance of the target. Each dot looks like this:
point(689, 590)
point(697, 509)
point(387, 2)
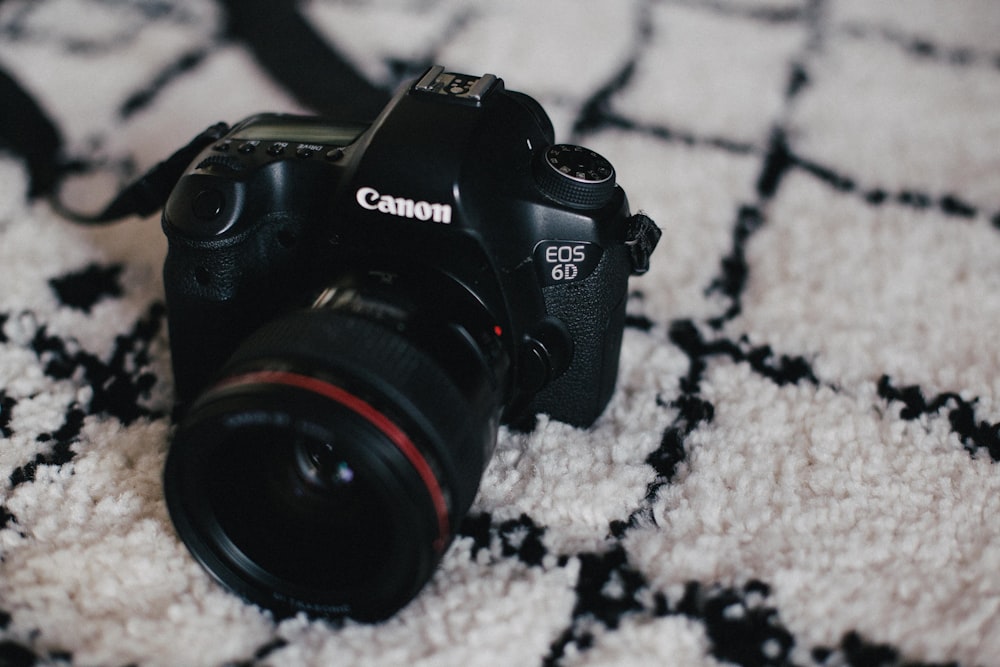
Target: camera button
point(248, 146)
point(575, 176)
point(307, 150)
point(535, 366)
point(545, 353)
point(277, 148)
point(208, 204)
point(334, 154)
point(223, 164)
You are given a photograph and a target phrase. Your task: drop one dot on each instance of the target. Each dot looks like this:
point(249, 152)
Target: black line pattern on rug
point(776, 163)
point(116, 390)
point(949, 204)
point(781, 369)
point(520, 538)
point(523, 539)
point(13, 654)
point(855, 651)
point(778, 160)
point(83, 289)
point(6, 519)
point(595, 113)
point(693, 411)
point(740, 627)
point(665, 460)
point(754, 638)
point(59, 453)
point(775, 14)
point(262, 653)
point(738, 624)
point(6, 407)
point(975, 434)
point(141, 99)
point(923, 48)
point(20, 26)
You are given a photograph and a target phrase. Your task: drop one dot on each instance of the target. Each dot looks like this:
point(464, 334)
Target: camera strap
point(641, 237)
point(149, 193)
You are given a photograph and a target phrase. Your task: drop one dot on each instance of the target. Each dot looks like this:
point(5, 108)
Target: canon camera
point(355, 308)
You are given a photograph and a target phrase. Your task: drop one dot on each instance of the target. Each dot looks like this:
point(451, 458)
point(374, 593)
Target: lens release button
point(545, 354)
point(535, 366)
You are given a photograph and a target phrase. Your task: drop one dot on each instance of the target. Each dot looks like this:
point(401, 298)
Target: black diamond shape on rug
point(83, 289)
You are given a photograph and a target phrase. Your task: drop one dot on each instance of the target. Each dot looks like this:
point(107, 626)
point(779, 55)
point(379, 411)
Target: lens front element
point(300, 495)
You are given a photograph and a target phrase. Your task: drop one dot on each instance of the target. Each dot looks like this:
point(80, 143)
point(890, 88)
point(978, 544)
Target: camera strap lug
point(641, 237)
point(149, 193)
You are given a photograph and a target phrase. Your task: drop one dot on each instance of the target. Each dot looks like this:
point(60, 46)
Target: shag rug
point(800, 463)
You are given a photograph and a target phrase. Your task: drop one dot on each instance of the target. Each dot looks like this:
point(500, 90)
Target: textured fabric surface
point(799, 465)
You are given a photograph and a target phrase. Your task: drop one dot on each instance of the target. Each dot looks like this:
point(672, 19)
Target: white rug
point(799, 466)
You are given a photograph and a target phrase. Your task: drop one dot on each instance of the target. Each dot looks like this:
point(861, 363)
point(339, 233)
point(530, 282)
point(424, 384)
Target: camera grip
point(220, 290)
point(593, 311)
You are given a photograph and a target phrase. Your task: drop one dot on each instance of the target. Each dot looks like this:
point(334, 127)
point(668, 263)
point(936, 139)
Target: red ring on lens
point(386, 426)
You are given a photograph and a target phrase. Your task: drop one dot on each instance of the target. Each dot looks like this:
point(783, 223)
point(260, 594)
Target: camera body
point(467, 264)
point(455, 182)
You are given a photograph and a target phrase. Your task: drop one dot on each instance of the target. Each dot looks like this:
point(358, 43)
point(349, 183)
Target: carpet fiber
point(800, 463)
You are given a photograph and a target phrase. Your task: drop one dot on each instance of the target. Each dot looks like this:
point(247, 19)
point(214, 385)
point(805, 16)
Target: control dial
point(575, 176)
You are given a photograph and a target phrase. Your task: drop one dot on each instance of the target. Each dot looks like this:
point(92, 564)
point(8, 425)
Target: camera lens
point(328, 467)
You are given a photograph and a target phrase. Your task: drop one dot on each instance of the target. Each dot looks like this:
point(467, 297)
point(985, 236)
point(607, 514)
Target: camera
point(355, 308)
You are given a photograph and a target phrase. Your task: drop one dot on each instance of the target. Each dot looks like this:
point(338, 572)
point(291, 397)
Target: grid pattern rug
point(800, 463)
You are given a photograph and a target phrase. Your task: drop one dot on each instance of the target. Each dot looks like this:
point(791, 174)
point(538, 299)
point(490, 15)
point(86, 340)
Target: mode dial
point(575, 176)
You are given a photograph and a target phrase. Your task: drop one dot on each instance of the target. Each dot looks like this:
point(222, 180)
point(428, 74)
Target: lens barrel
point(327, 469)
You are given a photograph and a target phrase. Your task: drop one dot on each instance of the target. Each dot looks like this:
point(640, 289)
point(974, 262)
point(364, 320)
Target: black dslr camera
point(383, 295)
